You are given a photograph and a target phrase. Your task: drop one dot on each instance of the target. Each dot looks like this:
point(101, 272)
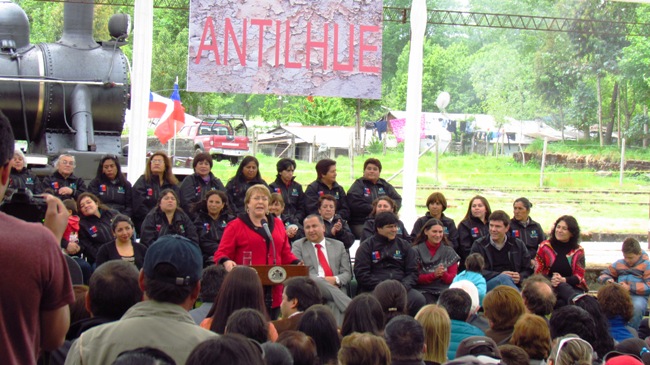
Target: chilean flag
point(173, 118)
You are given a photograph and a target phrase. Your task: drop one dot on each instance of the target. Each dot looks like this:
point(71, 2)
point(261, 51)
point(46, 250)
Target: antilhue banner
point(286, 47)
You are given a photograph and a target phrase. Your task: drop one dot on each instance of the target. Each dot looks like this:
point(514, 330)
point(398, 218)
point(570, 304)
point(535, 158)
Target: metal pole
point(541, 174)
point(437, 152)
point(620, 180)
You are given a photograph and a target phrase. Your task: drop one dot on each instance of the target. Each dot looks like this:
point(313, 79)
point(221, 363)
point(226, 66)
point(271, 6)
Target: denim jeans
point(640, 306)
point(501, 279)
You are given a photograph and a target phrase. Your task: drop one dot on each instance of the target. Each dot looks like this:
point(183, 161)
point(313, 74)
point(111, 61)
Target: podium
point(272, 275)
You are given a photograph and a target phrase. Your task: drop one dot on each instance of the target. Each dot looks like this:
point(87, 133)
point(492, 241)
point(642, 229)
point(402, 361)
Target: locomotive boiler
point(70, 96)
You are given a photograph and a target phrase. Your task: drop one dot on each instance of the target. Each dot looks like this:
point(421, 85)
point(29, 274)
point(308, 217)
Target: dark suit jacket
point(287, 324)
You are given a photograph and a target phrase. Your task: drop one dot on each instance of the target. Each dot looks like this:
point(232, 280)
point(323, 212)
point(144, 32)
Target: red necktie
point(323, 261)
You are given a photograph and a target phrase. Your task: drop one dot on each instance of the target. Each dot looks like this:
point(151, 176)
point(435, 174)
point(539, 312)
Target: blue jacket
point(477, 279)
point(618, 330)
point(459, 331)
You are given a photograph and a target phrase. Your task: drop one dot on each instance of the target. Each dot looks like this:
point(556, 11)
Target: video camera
point(24, 205)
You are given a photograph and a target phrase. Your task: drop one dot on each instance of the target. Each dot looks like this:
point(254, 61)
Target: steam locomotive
point(70, 96)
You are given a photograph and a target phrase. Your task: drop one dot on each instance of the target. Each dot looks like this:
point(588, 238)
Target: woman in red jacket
point(247, 234)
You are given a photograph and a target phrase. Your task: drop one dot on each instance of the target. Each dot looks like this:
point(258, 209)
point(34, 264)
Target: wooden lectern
point(272, 275)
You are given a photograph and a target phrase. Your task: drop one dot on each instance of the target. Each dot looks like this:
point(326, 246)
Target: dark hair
point(500, 216)
point(277, 197)
point(631, 246)
point(276, 354)
point(372, 161)
point(488, 210)
point(250, 323)
point(144, 356)
point(323, 166)
point(324, 197)
point(285, 163)
point(364, 349)
point(318, 322)
point(120, 218)
point(439, 198)
point(241, 288)
point(574, 229)
point(231, 349)
point(385, 218)
point(202, 205)
point(475, 262)
point(211, 280)
point(385, 198)
point(163, 291)
point(71, 205)
point(239, 175)
point(7, 141)
point(572, 319)
point(305, 290)
point(527, 204)
point(164, 193)
point(100, 168)
point(603, 341)
point(536, 299)
point(92, 197)
point(503, 306)
point(78, 309)
point(615, 301)
point(513, 355)
point(167, 173)
point(456, 302)
point(422, 236)
point(113, 289)
point(203, 156)
point(301, 346)
point(363, 314)
point(391, 294)
point(405, 338)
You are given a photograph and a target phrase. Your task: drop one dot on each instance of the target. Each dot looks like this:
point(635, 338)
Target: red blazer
point(238, 237)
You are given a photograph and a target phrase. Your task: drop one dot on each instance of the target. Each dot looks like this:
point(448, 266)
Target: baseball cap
point(478, 345)
point(178, 251)
point(622, 360)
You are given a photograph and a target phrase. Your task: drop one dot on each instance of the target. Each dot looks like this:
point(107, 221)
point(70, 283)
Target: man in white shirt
point(328, 262)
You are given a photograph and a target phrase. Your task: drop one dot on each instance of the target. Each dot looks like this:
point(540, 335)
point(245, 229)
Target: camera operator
point(35, 286)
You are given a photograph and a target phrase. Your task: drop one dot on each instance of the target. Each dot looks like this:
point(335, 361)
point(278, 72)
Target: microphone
point(265, 225)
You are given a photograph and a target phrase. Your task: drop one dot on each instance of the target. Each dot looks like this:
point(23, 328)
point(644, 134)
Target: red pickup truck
point(225, 137)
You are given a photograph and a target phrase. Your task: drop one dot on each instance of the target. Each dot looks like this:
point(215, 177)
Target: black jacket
point(517, 254)
point(532, 234)
point(116, 194)
point(94, 232)
point(145, 195)
point(378, 259)
point(193, 189)
point(210, 231)
point(156, 225)
point(24, 179)
point(56, 181)
point(450, 228)
point(293, 196)
point(236, 190)
point(316, 189)
point(469, 230)
point(363, 192)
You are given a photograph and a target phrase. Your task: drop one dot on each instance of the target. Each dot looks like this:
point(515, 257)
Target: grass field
point(599, 203)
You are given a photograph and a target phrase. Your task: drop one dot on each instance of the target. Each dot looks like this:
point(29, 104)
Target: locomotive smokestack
point(78, 24)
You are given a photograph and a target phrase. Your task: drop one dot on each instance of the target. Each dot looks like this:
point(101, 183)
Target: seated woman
point(325, 184)
point(292, 193)
point(94, 225)
point(247, 175)
point(436, 204)
point(123, 248)
point(335, 226)
point(21, 176)
point(111, 186)
point(473, 226)
point(293, 227)
point(437, 261)
point(212, 216)
point(195, 187)
point(167, 218)
point(63, 183)
point(524, 228)
point(383, 204)
point(567, 276)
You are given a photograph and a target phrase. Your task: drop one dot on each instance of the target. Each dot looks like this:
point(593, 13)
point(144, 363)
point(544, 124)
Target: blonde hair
point(570, 350)
point(364, 349)
point(257, 188)
point(437, 332)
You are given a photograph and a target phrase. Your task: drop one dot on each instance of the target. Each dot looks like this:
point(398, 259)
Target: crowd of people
point(166, 277)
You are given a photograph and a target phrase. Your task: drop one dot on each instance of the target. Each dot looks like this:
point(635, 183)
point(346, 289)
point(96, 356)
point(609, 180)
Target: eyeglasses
point(157, 161)
point(66, 162)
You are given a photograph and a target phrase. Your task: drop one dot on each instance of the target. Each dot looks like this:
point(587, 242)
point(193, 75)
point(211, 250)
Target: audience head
point(78, 309)
point(457, 303)
point(532, 334)
point(437, 332)
point(204, 204)
point(570, 350)
point(572, 319)
point(144, 356)
point(231, 349)
point(113, 289)
point(384, 219)
point(469, 288)
point(71, 205)
point(200, 157)
point(211, 280)
point(437, 197)
point(364, 349)
point(285, 164)
point(391, 294)
point(299, 294)
point(276, 354)
point(109, 167)
point(632, 347)
point(603, 341)
point(247, 163)
point(537, 293)
point(475, 262)
point(172, 270)
point(323, 167)
point(301, 346)
point(241, 288)
point(631, 251)
point(615, 301)
point(513, 355)
point(405, 338)
point(318, 322)
point(363, 314)
point(161, 165)
point(573, 228)
point(503, 306)
point(477, 201)
point(249, 323)
point(382, 204)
